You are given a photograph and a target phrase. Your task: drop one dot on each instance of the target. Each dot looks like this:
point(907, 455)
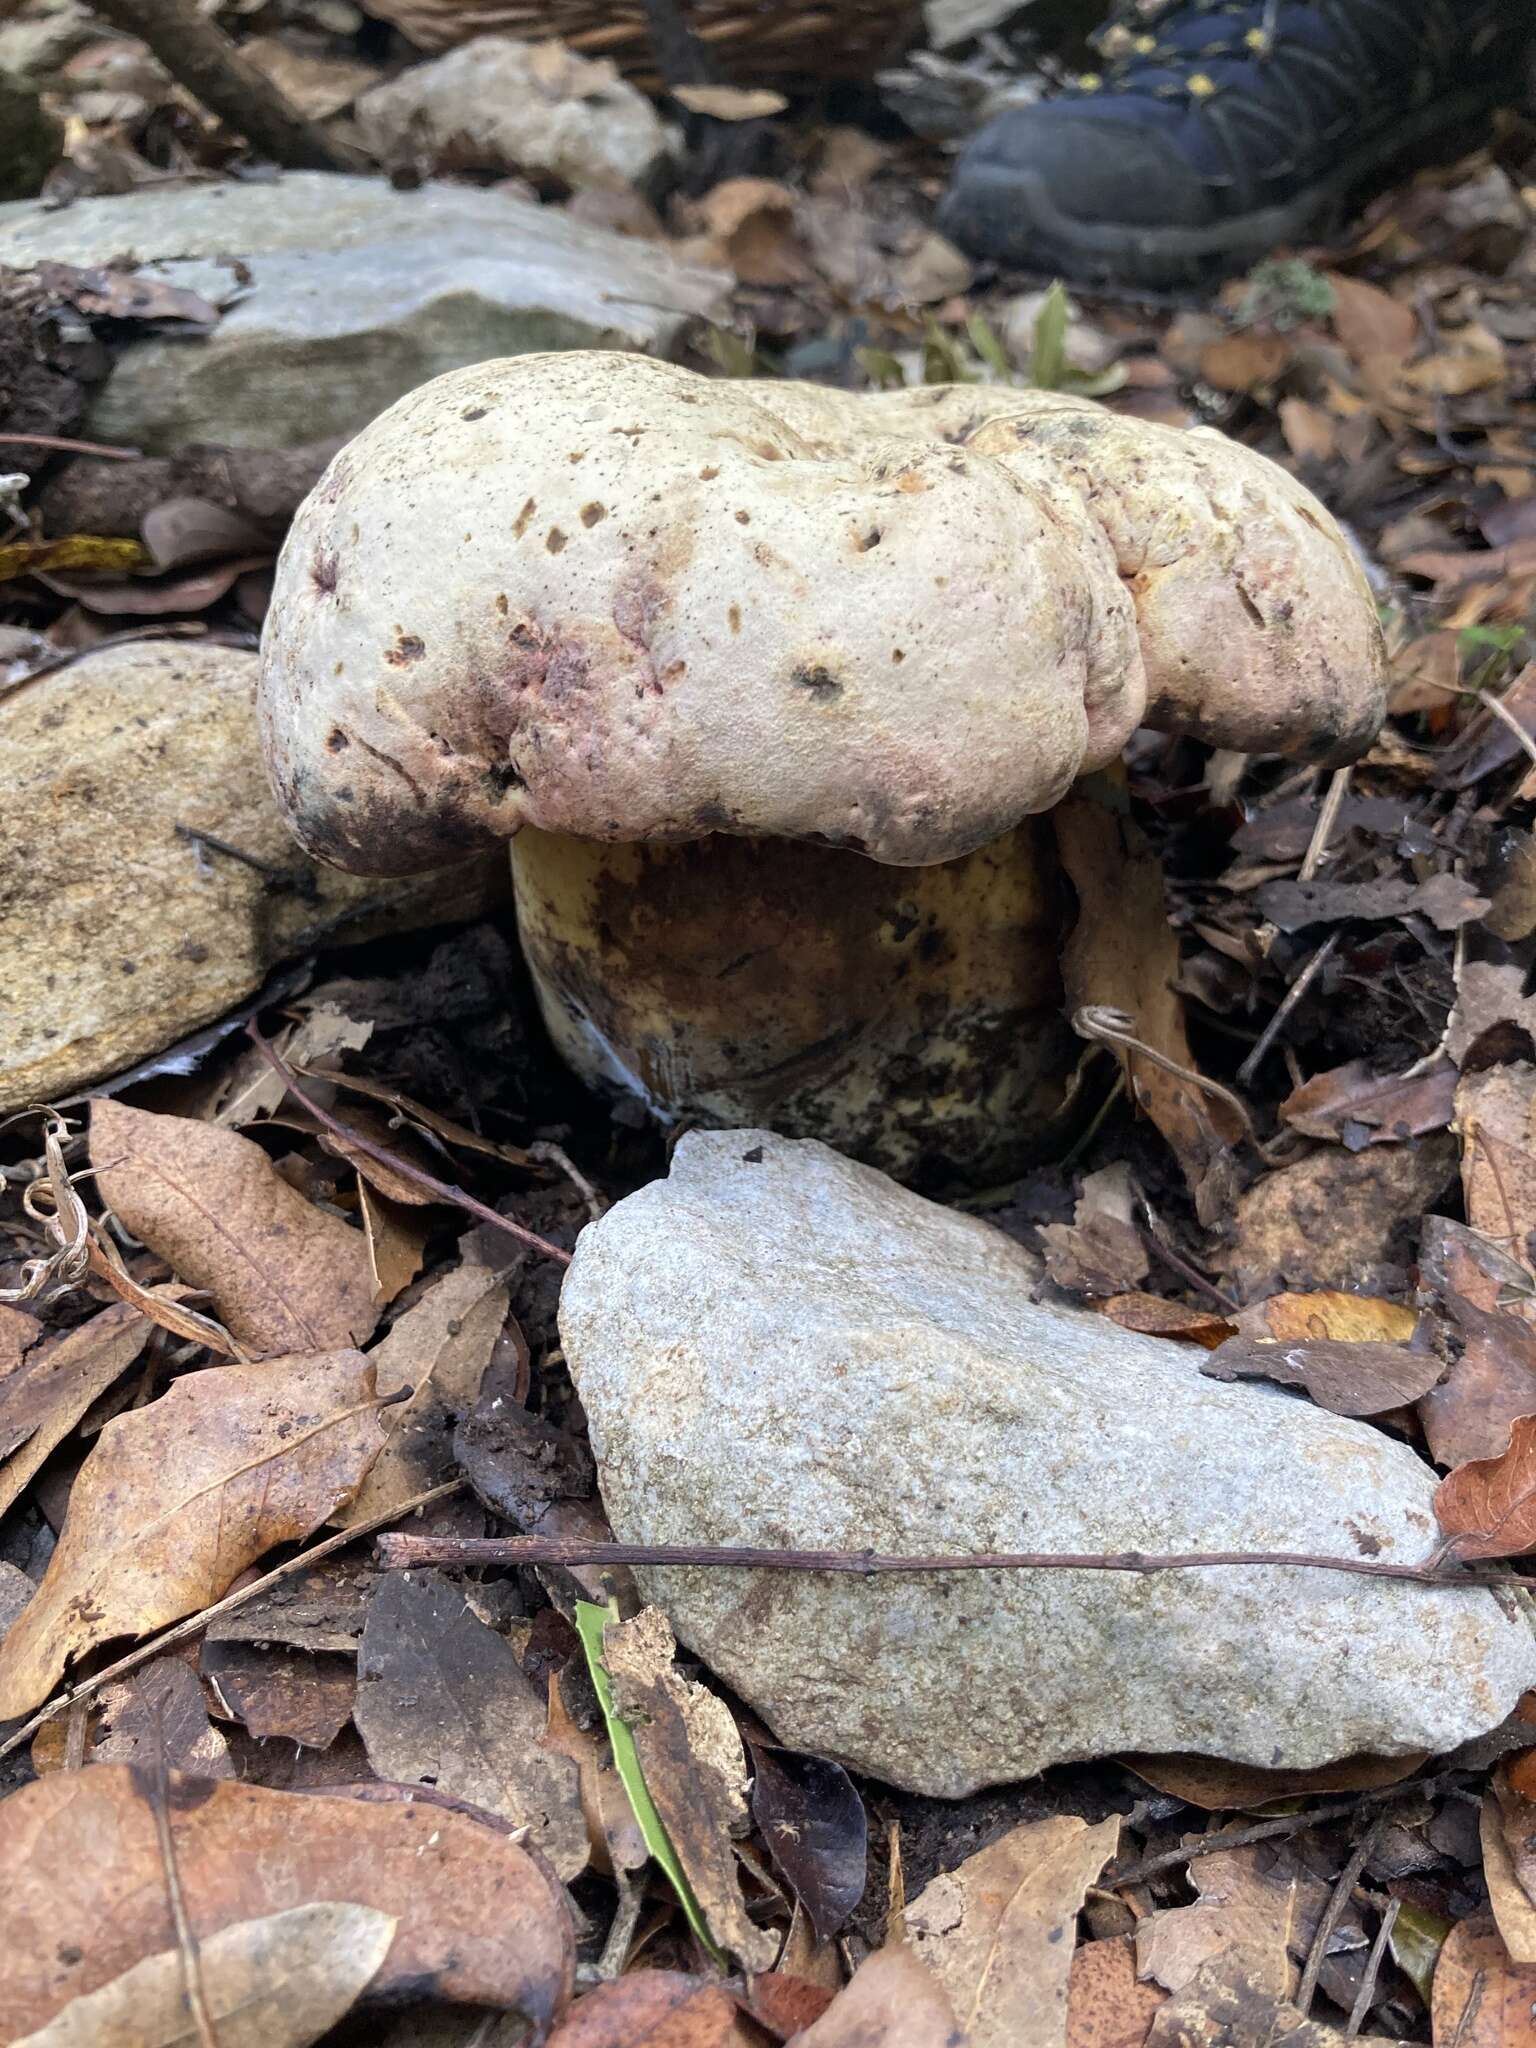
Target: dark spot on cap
point(734, 615)
point(898, 655)
point(504, 775)
point(475, 412)
point(193, 950)
point(863, 542)
point(708, 475)
point(591, 514)
point(323, 574)
point(554, 540)
point(336, 741)
point(820, 681)
point(743, 518)
point(408, 647)
point(520, 523)
point(754, 1157)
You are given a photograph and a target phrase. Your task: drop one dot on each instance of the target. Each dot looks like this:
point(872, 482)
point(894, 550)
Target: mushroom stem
point(910, 1016)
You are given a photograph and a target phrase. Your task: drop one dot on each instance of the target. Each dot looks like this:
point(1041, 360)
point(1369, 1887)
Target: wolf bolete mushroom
point(769, 686)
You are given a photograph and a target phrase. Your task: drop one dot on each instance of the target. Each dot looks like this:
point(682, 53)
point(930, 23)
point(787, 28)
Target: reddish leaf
point(1488, 1507)
point(656, 2009)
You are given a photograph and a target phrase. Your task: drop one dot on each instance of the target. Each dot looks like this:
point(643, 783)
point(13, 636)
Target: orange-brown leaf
point(1488, 1507)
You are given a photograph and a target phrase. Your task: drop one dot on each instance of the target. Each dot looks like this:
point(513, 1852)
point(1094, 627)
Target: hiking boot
point(1217, 130)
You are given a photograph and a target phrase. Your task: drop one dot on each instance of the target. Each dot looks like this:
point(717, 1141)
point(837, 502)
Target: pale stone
point(344, 294)
point(119, 935)
point(778, 1347)
point(498, 104)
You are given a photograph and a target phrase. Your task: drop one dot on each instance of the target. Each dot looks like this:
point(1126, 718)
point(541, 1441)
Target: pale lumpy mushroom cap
point(604, 596)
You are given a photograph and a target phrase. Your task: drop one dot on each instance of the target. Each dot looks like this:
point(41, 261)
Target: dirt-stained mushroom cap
point(607, 597)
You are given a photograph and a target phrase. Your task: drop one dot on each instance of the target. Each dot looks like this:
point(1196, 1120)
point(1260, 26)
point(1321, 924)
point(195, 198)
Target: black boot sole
point(1011, 216)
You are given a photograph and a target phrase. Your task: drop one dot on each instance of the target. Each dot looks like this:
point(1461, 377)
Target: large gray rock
point(357, 294)
point(776, 1346)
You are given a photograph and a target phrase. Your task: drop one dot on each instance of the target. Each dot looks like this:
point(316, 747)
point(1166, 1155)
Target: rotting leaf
point(1329, 1315)
point(892, 1997)
point(280, 1982)
point(1221, 1787)
point(1445, 900)
point(614, 1841)
point(1357, 1378)
point(285, 1276)
point(1487, 1508)
point(1107, 2006)
point(397, 1242)
point(71, 551)
point(178, 1498)
point(158, 1715)
point(1480, 1997)
point(1156, 1317)
point(695, 1772)
point(1228, 2004)
point(53, 1385)
point(479, 1919)
point(1252, 1898)
point(592, 1624)
point(439, 1349)
point(1354, 1106)
point(809, 1812)
point(1496, 1117)
point(1100, 1252)
point(442, 1700)
point(656, 2009)
point(283, 1693)
point(997, 1932)
point(1488, 1297)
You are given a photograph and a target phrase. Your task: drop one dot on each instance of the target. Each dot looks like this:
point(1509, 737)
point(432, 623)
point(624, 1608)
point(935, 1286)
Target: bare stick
point(403, 1553)
point(63, 446)
point(1327, 818)
point(199, 56)
point(1349, 1877)
point(195, 1623)
point(1367, 1991)
point(1288, 1002)
point(186, 1940)
point(443, 1190)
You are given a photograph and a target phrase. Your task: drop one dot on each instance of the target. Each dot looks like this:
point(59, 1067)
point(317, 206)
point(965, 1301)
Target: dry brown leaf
point(178, 1498)
point(614, 1840)
point(253, 1088)
point(1107, 2006)
point(1227, 2004)
point(277, 1691)
point(53, 1385)
point(1487, 1508)
point(1513, 1911)
point(1357, 1378)
point(442, 1700)
point(1222, 1787)
point(280, 1982)
point(1481, 1998)
point(1156, 1317)
point(1250, 1898)
point(1250, 360)
point(656, 2009)
point(397, 1242)
point(1310, 433)
point(1124, 954)
point(18, 1333)
point(1496, 1117)
point(1353, 1105)
point(84, 1899)
point(285, 1276)
point(753, 221)
point(997, 1932)
point(158, 1715)
point(695, 1770)
point(1370, 322)
point(440, 1349)
point(891, 1998)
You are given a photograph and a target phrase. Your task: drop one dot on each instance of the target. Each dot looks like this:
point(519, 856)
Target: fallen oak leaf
point(479, 1919)
point(279, 1982)
point(1487, 1507)
point(178, 1498)
point(656, 2009)
point(54, 1384)
point(1354, 1106)
point(284, 1275)
point(1359, 1378)
point(996, 1932)
point(891, 1997)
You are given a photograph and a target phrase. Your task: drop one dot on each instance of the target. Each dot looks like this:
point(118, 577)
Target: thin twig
point(1489, 702)
point(1367, 1991)
point(443, 1190)
point(545, 1151)
point(1288, 1002)
point(1342, 1892)
point(401, 1553)
point(195, 1623)
point(1104, 1025)
point(186, 1940)
point(64, 446)
point(1177, 1263)
point(1327, 818)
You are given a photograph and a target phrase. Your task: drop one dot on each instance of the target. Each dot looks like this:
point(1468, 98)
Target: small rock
point(778, 1347)
point(122, 936)
point(351, 295)
point(502, 105)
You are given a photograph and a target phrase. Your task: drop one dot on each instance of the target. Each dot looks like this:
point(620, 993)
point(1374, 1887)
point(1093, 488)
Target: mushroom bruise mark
point(733, 617)
point(520, 523)
point(474, 412)
point(555, 540)
point(323, 572)
point(637, 606)
point(591, 514)
point(818, 680)
point(336, 741)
